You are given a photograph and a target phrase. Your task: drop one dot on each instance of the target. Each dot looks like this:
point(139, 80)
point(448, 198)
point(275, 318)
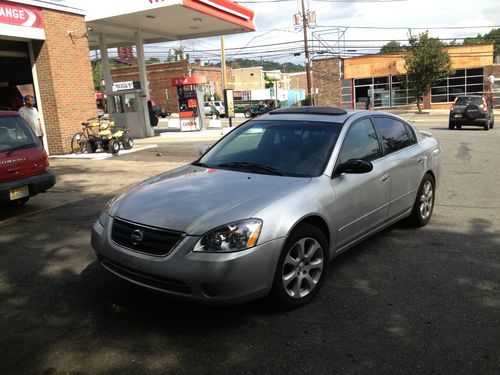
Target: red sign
point(188, 80)
point(20, 15)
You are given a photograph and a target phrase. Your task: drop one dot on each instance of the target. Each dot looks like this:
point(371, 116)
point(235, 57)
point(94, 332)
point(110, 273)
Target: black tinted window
point(360, 142)
point(466, 100)
point(393, 132)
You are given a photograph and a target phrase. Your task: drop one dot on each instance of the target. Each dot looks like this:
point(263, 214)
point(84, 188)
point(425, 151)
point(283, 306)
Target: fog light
point(210, 290)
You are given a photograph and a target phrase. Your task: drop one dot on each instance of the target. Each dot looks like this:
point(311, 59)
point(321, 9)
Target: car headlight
point(103, 219)
point(236, 236)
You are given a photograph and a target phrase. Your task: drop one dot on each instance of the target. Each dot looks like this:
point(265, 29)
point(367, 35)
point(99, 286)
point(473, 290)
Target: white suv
point(218, 104)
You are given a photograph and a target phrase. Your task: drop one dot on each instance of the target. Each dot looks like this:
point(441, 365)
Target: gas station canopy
point(163, 21)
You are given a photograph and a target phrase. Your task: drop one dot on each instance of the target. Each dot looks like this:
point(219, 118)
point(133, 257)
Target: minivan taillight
point(453, 104)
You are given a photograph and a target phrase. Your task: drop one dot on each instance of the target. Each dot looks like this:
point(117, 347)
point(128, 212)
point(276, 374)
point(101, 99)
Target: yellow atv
point(108, 137)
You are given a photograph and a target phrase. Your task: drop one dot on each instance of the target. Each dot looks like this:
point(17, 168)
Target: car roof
point(320, 113)
point(9, 113)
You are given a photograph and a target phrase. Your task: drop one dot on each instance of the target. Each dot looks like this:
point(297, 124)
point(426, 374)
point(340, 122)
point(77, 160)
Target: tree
point(426, 63)
point(152, 60)
point(392, 47)
point(492, 36)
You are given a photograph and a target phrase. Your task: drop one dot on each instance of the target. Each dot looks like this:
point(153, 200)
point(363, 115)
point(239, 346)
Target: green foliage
point(269, 81)
point(153, 60)
point(492, 36)
point(426, 63)
point(391, 47)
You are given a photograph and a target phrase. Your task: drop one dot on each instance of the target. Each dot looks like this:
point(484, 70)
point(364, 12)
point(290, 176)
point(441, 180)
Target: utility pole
point(306, 49)
point(223, 69)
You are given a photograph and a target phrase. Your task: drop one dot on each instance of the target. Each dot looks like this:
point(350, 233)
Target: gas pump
point(190, 101)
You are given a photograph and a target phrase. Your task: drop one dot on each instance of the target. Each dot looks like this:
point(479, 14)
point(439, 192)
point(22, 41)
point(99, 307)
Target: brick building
point(379, 78)
point(45, 53)
point(160, 79)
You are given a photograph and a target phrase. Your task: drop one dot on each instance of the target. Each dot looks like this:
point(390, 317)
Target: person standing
point(30, 114)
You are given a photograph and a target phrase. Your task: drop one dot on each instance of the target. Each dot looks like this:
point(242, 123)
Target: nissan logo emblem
point(136, 236)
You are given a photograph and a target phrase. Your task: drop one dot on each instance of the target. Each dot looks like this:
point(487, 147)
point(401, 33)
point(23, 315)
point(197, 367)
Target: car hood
point(194, 200)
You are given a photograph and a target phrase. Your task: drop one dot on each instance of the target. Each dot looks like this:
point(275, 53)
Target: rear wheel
point(79, 143)
point(113, 146)
point(91, 147)
point(451, 126)
point(492, 122)
point(302, 267)
point(424, 203)
point(486, 125)
point(248, 113)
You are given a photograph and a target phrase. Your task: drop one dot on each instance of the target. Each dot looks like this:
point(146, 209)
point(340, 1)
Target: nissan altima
point(267, 207)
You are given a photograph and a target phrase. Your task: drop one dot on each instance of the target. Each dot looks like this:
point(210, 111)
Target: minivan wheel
point(451, 126)
point(424, 203)
point(302, 267)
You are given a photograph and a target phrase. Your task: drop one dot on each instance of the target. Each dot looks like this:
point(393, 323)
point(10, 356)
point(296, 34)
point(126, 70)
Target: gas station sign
point(20, 15)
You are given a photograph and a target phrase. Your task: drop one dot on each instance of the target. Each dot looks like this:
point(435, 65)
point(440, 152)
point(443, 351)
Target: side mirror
point(354, 166)
point(203, 150)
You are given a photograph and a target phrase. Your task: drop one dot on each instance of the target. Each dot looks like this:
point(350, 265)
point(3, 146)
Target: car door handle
point(385, 178)
point(419, 160)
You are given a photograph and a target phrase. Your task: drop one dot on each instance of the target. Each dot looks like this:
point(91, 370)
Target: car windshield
point(466, 100)
point(14, 134)
point(286, 148)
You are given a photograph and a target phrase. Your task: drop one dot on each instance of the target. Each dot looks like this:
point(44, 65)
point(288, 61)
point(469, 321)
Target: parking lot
point(405, 301)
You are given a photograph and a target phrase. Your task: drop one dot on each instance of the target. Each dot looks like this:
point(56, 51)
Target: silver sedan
point(267, 207)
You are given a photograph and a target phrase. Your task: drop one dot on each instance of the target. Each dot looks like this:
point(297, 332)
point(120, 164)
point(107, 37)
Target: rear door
point(404, 159)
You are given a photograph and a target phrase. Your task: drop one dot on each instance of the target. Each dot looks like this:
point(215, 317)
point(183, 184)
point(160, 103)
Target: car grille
point(144, 239)
point(155, 282)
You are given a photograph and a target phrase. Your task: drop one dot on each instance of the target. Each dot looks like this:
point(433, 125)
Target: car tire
point(248, 113)
point(459, 127)
point(492, 122)
point(113, 146)
point(424, 203)
point(451, 126)
point(486, 125)
point(302, 267)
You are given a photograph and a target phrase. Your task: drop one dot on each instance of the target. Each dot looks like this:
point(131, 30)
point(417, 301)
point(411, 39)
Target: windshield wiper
point(253, 166)
point(199, 164)
point(20, 148)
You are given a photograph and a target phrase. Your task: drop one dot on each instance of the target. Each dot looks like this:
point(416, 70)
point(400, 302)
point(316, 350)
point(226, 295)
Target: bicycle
point(80, 140)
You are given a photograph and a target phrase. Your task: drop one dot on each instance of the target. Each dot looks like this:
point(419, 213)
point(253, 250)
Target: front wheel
point(248, 113)
point(113, 146)
point(127, 142)
point(424, 203)
point(79, 143)
point(302, 267)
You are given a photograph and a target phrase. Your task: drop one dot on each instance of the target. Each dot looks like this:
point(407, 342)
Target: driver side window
point(360, 142)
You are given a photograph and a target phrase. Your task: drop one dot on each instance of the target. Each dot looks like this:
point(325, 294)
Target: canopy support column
point(106, 72)
point(143, 77)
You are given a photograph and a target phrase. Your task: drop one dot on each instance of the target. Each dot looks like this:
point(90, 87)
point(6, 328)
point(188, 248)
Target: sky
point(359, 24)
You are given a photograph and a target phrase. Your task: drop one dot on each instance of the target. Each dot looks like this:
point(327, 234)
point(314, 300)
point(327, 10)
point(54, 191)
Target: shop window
point(463, 82)
point(400, 94)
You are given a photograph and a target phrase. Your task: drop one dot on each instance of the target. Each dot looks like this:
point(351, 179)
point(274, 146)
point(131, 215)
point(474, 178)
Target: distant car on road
point(24, 166)
point(267, 207)
point(219, 106)
point(471, 110)
point(258, 109)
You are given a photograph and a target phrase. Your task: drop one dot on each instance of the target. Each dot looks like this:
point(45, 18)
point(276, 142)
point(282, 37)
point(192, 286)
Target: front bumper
point(209, 278)
point(37, 184)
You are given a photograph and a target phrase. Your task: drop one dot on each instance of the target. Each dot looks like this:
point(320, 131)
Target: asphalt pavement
point(407, 301)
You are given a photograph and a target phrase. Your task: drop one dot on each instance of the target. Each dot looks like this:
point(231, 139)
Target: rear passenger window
point(394, 134)
point(360, 142)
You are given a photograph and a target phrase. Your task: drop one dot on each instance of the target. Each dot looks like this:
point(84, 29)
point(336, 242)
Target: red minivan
point(24, 166)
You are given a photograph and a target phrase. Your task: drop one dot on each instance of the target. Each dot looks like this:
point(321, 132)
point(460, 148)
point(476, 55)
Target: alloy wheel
point(426, 200)
point(302, 268)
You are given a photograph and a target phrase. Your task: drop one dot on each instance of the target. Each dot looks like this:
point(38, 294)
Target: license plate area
point(19, 192)
point(458, 115)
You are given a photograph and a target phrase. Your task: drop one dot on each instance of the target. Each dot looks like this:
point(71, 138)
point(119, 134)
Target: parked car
point(471, 110)
point(258, 109)
point(24, 166)
point(218, 105)
point(267, 207)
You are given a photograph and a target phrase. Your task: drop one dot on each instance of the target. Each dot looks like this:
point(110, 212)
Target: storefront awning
point(163, 21)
